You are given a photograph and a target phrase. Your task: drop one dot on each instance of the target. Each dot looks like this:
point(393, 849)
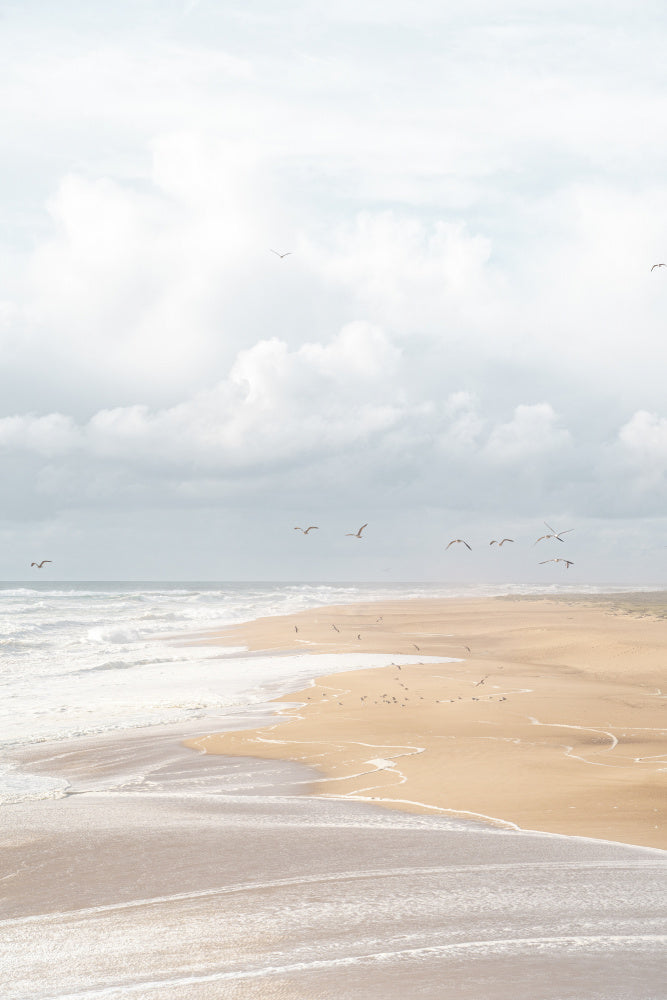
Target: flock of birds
point(551, 533)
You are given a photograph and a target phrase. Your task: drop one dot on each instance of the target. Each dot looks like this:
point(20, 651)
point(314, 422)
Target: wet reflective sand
point(165, 874)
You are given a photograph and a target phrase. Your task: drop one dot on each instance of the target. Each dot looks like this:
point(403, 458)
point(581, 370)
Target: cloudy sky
point(466, 340)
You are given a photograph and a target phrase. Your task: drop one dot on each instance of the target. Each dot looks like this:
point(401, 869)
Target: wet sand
point(216, 877)
point(551, 715)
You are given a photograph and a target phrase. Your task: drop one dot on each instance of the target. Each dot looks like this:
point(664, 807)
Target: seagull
point(566, 561)
point(40, 564)
point(555, 534)
point(313, 527)
point(658, 265)
point(281, 255)
point(352, 534)
point(458, 540)
point(496, 542)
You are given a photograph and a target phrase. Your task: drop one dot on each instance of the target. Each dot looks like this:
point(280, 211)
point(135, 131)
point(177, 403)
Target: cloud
point(275, 405)
point(638, 459)
point(531, 434)
point(405, 273)
point(50, 435)
point(332, 417)
point(644, 440)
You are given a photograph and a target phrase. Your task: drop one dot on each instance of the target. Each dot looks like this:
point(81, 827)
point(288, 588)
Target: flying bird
point(658, 265)
point(566, 561)
point(458, 540)
point(554, 534)
point(313, 527)
point(357, 534)
point(281, 255)
point(496, 542)
point(40, 564)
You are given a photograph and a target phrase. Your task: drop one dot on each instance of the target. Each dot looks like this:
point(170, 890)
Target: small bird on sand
point(554, 534)
point(356, 534)
point(40, 564)
point(502, 542)
point(454, 540)
point(281, 255)
point(567, 562)
point(313, 527)
point(658, 265)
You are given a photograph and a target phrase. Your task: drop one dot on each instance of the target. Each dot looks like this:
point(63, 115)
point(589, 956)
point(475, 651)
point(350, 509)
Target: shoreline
point(546, 716)
point(171, 874)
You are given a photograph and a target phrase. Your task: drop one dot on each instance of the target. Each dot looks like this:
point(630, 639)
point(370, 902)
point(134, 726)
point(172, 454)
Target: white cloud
point(275, 405)
point(531, 435)
point(50, 435)
point(405, 273)
point(639, 462)
point(644, 440)
point(462, 424)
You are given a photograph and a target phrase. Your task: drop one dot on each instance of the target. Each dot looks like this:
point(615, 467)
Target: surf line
point(512, 946)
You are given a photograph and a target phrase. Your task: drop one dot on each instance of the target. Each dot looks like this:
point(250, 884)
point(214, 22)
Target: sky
point(466, 340)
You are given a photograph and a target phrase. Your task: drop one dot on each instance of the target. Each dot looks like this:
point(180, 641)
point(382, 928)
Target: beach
point(311, 845)
point(549, 715)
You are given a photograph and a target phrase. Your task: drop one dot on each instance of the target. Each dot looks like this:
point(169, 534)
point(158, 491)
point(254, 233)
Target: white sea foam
point(18, 786)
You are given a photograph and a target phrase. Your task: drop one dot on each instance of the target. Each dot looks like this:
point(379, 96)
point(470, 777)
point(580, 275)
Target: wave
point(114, 633)
point(129, 664)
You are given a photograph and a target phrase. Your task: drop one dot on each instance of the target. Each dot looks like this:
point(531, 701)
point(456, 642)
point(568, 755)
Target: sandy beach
point(377, 855)
point(548, 715)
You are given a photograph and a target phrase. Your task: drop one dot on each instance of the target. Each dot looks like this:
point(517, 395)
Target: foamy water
point(217, 877)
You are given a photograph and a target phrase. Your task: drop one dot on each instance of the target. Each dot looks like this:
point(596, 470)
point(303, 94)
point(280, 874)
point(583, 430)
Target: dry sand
point(554, 718)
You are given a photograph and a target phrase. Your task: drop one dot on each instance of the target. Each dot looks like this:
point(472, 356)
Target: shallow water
point(213, 877)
